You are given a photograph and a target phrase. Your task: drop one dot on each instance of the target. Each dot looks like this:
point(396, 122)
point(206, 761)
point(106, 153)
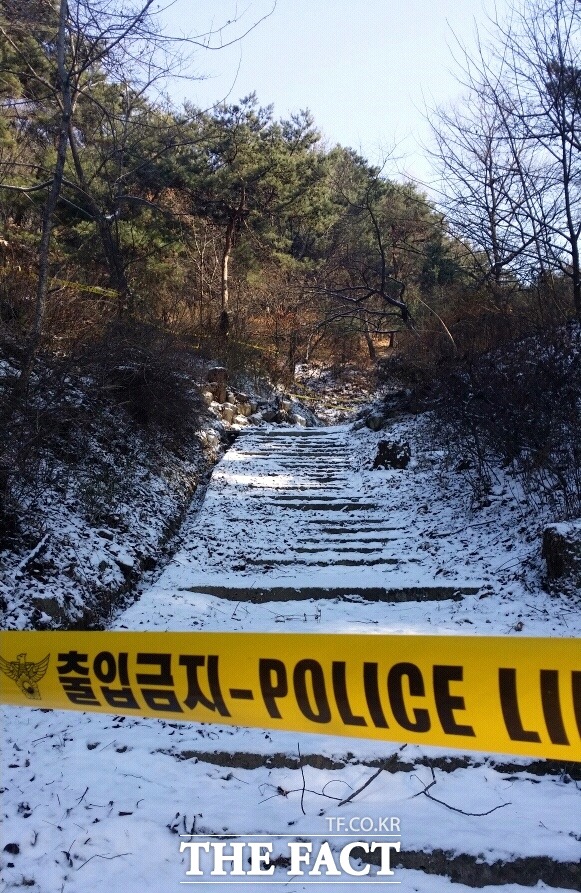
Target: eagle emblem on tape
point(25, 674)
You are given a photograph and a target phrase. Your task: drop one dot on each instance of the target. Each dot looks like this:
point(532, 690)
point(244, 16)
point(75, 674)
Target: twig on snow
point(99, 856)
point(383, 766)
point(303, 777)
point(362, 788)
point(454, 808)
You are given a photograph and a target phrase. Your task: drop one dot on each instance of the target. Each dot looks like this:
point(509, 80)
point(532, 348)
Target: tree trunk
point(110, 243)
point(225, 267)
point(64, 86)
point(236, 216)
point(369, 341)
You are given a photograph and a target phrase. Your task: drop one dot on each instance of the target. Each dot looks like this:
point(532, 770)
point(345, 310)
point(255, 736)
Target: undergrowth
point(516, 404)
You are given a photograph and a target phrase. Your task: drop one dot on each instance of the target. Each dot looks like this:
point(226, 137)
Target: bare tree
point(511, 155)
point(484, 189)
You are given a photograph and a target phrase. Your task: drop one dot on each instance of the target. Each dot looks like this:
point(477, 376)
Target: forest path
point(288, 516)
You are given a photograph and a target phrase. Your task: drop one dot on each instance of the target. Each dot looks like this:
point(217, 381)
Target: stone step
point(316, 497)
point(357, 548)
point(335, 449)
point(261, 594)
point(344, 527)
point(284, 492)
point(337, 562)
point(356, 537)
point(324, 506)
point(295, 433)
point(448, 764)
point(286, 463)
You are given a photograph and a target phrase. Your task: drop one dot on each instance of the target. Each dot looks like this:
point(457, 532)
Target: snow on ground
point(298, 521)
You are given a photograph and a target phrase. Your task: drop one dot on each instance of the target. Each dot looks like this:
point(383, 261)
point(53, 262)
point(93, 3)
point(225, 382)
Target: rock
point(562, 551)
point(299, 420)
point(375, 421)
point(207, 397)
point(269, 415)
point(240, 420)
point(245, 409)
point(392, 454)
point(124, 561)
point(228, 412)
point(51, 607)
point(218, 379)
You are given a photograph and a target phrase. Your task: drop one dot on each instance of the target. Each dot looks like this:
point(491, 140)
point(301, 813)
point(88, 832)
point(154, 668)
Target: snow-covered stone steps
point(286, 518)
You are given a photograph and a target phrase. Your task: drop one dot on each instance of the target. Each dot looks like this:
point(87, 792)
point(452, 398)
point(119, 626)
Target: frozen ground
point(295, 534)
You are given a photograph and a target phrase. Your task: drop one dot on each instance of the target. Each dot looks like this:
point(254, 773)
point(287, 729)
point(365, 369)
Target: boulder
point(375, 421)
point(228, 412)
point(392, 454)
point(562, 551)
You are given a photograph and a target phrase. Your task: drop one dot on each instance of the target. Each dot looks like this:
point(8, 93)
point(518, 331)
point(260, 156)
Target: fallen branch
point(33, 554)
point(466, 526)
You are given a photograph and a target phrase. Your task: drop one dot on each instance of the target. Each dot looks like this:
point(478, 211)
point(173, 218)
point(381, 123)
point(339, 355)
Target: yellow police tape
point(505, 695)
point(92, 289)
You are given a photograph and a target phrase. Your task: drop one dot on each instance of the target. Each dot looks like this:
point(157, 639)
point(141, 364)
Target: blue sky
point(366, 69)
